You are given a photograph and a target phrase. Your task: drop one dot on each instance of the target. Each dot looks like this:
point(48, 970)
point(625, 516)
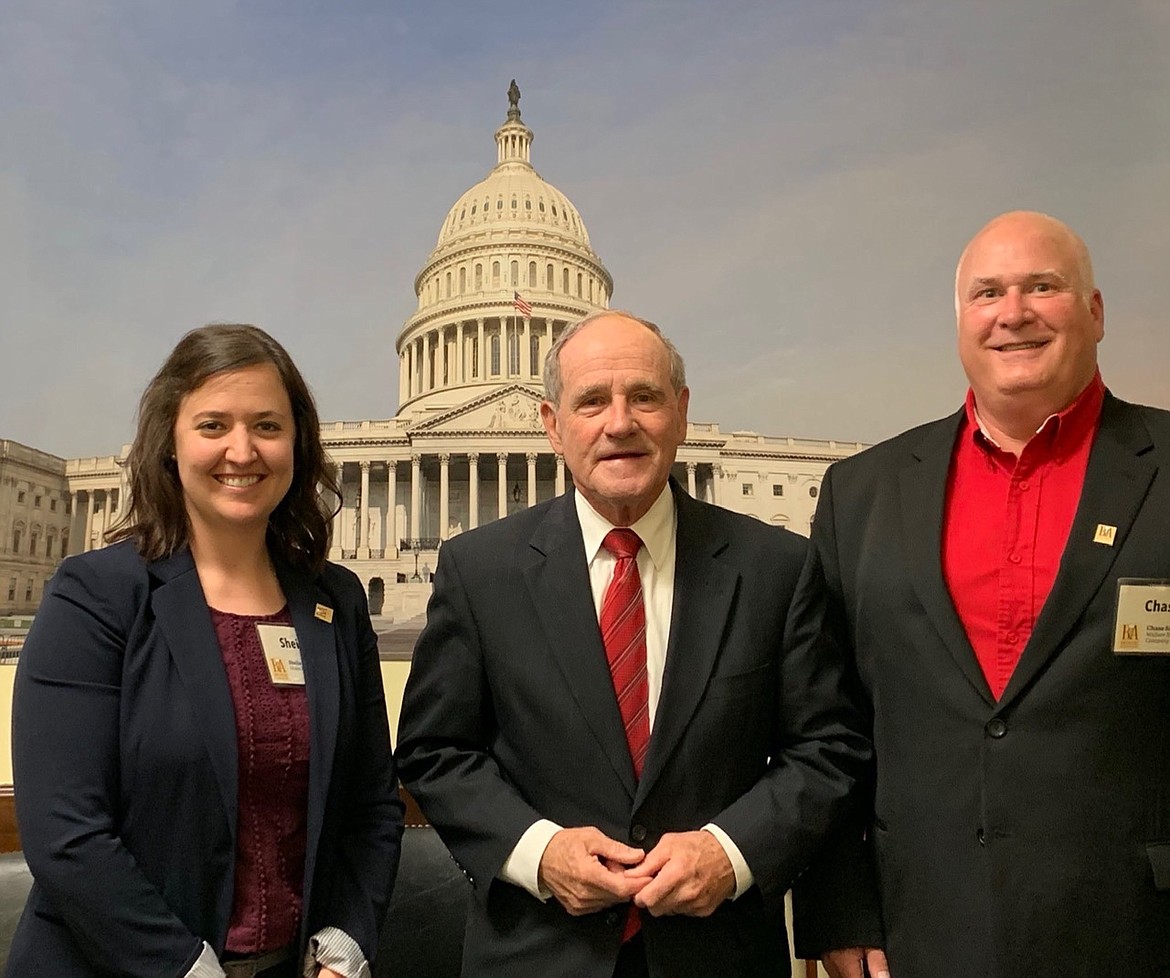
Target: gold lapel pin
point(1105, 534)
point(324, 613)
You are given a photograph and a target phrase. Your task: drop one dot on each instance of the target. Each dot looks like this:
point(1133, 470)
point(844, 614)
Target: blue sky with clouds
point(783, 186)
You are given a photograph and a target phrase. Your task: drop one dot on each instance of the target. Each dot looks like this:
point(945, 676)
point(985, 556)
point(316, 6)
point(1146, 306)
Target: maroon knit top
point(272, 735)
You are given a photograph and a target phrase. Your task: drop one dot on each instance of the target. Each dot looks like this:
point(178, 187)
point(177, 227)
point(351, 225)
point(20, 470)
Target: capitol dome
point(512, 267)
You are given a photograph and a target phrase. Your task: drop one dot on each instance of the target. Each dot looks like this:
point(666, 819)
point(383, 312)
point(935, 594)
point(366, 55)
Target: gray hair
point(554, 383)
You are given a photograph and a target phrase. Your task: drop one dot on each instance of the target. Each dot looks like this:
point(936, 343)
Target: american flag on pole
point(522, 305)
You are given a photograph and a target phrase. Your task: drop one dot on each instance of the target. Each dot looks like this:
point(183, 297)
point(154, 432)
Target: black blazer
point(125, 762)
point(1029, 836)
point(509, 716)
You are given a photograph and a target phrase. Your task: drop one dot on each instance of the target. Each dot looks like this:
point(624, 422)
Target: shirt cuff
point(333, 948)
point(522, 867)
point(206, 965)
point(743, 874)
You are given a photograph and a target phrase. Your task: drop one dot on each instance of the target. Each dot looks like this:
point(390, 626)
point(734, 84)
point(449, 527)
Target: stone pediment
point(511, 409)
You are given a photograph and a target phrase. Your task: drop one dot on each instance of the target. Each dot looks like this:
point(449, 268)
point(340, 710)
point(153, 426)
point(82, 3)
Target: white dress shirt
point(658, 531)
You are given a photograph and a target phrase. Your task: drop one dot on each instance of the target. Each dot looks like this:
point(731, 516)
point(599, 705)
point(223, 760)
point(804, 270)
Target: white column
point(473, 490)
point(717, 482)
point(444, 494)
point(363, 540)
point(531, 457)
point(709, 493)
point(106, 500)
point(460, 354)
point(502, 483)
point(123, 489)
point(560, 475)
point(88, 521)
point(426, 363)
point(335, 534)
point(390, 523)
point(403, 390)
point(691, 479)
point(415, 496)
point(416, 354)
point(482, 352)
point(441, 359)
point(526, 350)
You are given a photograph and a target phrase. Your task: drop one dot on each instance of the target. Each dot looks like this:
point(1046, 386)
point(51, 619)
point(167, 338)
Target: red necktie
point(623, 632)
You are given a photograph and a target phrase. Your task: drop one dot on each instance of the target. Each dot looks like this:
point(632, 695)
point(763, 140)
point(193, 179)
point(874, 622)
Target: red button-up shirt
point(1006, 523)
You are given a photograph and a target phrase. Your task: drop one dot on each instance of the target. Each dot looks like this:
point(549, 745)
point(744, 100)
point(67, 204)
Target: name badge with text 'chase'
point(282, 654)
point(1142, 625)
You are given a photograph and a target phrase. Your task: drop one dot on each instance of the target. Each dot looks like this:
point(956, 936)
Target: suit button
point(996, 728)
point(980, 836)
point(613, 918)
point(638, 833)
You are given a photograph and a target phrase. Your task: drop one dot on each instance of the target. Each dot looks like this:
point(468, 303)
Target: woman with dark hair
point(204, 779)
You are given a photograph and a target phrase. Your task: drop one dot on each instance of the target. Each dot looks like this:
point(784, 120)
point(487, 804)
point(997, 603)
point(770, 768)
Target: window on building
point(565, 281)
point(16, 540)
point(447, 286)
point(514, 352)
point(495, 275)
point(65, 544)
point(475, 357)
point(68, 505)
point(20, 495)
point(749, 489)
point(52, 505)
point(527, 204)
point(478, 277)
point(580, 280)
point(462, 281)
point(532, 275)
point(515, 270)
point(28, 590)
point(777, 489)
point(37, 502)
point(495, 347)
point(549, 281)
point(12, 589)
point(534, 352)
point(812, 491)
point(33, 539)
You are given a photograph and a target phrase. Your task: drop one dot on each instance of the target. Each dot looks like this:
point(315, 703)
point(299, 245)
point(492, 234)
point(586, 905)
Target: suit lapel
point(923, 486)
point(318, 642)
point(183, 616)
point(1117, 479)
point(558, 581)
point(704, 588)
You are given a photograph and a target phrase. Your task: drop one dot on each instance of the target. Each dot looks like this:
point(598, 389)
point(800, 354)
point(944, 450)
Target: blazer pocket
point(738, 684)
point(1159, 853)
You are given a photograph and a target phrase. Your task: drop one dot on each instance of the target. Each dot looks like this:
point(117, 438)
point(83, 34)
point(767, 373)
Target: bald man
point(999, 583)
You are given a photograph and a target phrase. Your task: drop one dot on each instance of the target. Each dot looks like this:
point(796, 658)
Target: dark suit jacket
point(1029, 836)
point(125, 765)
point(510, 716)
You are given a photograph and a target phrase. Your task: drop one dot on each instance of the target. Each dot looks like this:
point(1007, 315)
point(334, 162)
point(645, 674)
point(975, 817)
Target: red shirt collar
point(1061, 432)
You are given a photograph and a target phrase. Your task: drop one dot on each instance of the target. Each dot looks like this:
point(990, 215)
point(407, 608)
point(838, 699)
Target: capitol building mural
point(512, 267)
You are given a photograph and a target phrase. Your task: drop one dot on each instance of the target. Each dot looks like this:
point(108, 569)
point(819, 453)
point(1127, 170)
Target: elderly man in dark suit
point(610, 719)
point(995, 577)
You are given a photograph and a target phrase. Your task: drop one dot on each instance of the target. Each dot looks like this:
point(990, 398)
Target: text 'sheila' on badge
point(1142, 623)
point(282, 654)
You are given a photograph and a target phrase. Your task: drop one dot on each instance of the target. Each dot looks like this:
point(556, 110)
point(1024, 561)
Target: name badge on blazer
point(1142, 623)
point(282, 654)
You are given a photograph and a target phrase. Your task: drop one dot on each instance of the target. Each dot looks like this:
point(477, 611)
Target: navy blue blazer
point(1028, 835)
point(125, 765)
point(509, 715)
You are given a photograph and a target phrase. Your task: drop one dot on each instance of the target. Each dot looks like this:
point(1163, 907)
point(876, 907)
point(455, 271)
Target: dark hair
point(156, 520)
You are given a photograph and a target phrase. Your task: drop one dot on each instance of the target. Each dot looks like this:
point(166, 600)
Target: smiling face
point(234, 450)
point(619, 422)
point(1029, 318)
